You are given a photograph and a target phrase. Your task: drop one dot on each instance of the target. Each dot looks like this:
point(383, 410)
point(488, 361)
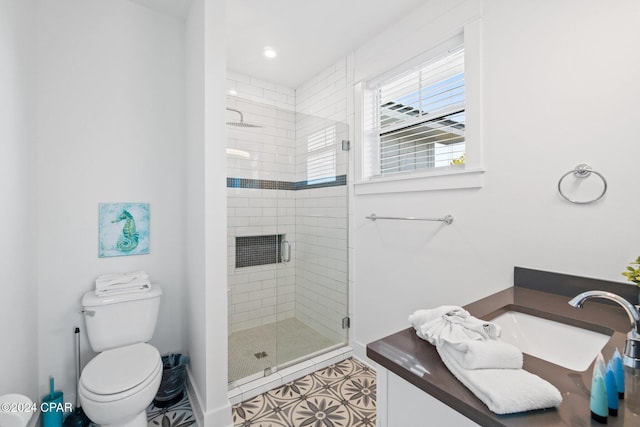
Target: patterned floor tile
point(341, 395)
point(179, 414)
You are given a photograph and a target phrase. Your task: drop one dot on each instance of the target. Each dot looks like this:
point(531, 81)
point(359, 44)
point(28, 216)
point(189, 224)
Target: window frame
point(468, 175)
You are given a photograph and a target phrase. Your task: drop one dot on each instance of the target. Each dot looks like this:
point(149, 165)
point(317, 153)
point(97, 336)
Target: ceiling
point(308, 35)
point(177, 8)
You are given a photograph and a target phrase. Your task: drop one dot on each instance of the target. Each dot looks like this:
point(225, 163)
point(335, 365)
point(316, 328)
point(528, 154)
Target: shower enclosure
point(287, 237)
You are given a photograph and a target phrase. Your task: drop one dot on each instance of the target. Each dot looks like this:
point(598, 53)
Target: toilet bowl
point(117, 385)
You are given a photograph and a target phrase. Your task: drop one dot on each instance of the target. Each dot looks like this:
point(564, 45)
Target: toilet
point(16, 410)
point(118, 384)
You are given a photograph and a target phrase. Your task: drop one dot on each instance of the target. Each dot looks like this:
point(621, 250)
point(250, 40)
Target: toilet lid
point(120, 369)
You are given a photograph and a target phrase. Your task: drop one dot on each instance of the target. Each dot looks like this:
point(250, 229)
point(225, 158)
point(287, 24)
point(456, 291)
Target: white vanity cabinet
point(400, 403)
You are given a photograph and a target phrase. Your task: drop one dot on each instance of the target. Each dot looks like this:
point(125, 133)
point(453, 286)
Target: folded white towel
point(452, 324)
point(133, 278)
point(486, 354)
point(120, 283)
point(123, 290)
point(504, 391)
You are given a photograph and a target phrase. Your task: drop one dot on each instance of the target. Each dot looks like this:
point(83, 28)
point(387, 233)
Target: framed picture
point(123, 229)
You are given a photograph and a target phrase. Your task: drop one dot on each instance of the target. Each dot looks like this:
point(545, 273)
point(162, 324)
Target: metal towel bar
point(447, 218)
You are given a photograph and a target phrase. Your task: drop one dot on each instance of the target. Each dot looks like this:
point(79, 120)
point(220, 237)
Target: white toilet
point(118, 384)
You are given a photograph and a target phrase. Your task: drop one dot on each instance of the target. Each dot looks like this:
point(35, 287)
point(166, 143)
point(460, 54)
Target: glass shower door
point(255, 176)
point(287, 237)
point(313, 280)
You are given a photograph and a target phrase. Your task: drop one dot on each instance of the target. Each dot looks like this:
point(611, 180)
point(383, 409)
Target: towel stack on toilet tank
point(120, 283)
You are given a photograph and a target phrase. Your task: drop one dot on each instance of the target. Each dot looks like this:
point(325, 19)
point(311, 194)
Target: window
point(321, 155)
point(420, 116)
point(418, 107)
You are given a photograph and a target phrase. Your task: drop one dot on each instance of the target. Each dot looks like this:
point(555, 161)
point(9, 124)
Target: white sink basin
point(568, 346)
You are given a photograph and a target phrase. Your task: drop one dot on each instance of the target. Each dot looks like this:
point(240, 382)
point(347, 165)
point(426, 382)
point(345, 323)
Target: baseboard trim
point(219, 417)
point(194, 399)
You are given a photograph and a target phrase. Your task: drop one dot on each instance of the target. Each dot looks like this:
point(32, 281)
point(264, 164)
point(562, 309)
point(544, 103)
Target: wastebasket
point(174, 375)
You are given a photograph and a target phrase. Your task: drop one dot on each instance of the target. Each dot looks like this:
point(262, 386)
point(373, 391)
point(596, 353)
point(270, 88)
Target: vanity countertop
point(417, 361)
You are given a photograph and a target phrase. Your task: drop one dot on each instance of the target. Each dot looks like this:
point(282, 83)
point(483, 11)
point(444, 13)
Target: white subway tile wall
point(321, 259)
point(261, 91)
point(263, 294)
point(321, 213)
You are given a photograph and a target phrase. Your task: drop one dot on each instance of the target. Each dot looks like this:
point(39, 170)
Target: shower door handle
point(286, 251)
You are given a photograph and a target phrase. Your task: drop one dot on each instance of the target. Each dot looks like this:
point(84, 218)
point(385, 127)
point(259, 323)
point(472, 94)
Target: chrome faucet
point(631, 355)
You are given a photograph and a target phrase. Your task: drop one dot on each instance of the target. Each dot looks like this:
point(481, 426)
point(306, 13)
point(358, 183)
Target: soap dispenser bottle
point(612, 389)
point(598, 401)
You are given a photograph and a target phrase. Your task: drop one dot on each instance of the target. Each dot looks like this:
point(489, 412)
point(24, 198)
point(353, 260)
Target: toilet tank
point(119, 320)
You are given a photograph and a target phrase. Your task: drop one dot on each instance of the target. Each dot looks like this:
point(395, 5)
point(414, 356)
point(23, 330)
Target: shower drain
point(261, 354)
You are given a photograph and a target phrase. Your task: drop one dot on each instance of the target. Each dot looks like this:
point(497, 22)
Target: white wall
point(110, 128)
point(18, 304)
point(195, 292)
point(560, 88)
point(215, 208)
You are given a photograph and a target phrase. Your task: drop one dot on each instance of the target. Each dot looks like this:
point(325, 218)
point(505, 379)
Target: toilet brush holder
point(52, 407)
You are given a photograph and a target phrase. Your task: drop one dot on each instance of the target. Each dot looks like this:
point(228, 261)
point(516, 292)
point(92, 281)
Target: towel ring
point(582, 171)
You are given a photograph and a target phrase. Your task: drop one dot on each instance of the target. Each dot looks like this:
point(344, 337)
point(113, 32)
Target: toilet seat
point(121, 372)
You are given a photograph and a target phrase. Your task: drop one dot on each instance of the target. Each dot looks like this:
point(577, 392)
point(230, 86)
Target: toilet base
point(139, 421)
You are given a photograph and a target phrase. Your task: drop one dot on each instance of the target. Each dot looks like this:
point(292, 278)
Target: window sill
point(451, 179)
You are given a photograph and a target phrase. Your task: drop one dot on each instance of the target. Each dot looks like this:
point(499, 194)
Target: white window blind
point(321, 155)
point(421, 116)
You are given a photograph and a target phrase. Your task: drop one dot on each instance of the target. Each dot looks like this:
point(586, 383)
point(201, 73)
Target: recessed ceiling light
point(269, 52)
point(232, 92)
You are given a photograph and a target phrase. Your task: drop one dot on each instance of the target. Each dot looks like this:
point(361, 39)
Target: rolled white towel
point(456, 326)
point(504, 391)
point(486, 354)
point(483, 327)
point(420, 317)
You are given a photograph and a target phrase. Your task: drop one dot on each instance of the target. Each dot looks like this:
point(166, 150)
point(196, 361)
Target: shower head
point(241, 123)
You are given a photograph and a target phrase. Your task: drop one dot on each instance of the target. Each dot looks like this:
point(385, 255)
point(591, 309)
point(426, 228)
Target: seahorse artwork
point(128, 240)
point(123, 229)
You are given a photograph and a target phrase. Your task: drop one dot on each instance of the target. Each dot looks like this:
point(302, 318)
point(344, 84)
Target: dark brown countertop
point(417, 361)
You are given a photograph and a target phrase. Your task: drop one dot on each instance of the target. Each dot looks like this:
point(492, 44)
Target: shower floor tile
point(341, 395)
point(253, 350)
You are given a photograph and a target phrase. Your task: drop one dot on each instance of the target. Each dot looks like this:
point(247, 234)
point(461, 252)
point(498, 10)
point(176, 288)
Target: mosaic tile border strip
point(265, 184)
